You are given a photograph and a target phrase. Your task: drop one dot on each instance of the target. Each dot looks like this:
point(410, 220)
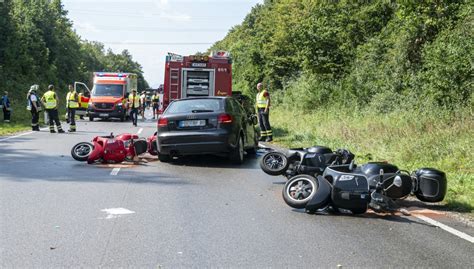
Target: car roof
point(204, 97)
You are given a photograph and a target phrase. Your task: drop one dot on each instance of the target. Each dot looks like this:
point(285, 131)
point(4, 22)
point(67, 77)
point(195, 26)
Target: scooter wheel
point(274, 163)
point(81, 151)
point(299, 190)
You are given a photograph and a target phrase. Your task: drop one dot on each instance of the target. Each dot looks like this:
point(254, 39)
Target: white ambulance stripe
point(446, 228)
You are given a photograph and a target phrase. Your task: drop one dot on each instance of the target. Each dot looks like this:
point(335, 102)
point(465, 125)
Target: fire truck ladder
point(174, 83)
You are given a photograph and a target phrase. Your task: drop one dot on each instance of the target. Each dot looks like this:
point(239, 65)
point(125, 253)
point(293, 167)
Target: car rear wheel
point(237, 154)
point(91, 118)
point(164, 158)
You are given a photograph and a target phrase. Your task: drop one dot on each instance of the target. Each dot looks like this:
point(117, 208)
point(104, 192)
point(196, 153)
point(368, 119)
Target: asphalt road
point(198, 212)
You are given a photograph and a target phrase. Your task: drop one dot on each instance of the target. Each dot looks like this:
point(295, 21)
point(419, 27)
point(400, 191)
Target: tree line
point(38, 45)
point(385, 54)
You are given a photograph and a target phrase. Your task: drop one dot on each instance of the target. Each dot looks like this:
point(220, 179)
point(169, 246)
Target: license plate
point(103, 115)
point(192, 123)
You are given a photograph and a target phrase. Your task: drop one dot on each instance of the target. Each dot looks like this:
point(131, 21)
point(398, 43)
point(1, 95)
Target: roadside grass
point(409, 139)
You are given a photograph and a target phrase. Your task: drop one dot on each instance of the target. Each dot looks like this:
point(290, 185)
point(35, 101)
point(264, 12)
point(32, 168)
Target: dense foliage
point(383, 53)
point(39, 46)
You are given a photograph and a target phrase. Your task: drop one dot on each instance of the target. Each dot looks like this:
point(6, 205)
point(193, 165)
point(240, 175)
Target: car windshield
point(107, 90)
point(195, 106)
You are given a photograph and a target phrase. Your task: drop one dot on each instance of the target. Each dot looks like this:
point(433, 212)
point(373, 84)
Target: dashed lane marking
point(445, 227)
point(115, 171)
point(140, 131)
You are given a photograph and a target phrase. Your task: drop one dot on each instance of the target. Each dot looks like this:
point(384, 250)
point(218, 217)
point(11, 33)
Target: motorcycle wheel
point(274, 163)
point(299, 190)
point(81, 151)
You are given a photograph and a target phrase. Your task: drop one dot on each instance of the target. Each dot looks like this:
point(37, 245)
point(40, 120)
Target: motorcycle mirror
point(397, 181)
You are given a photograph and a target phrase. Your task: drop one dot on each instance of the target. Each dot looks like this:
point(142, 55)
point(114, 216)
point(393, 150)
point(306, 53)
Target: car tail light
point(162, 122)
point(224, 118)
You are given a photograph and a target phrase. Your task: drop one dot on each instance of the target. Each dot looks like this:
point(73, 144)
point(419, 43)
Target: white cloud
point(86, 27)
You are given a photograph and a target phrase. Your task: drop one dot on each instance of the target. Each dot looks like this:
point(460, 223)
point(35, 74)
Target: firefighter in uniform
point(72, 101)
point(50, 101)
point(263, 111)
point(34, 107)
point(134, 104)
point(155, 99)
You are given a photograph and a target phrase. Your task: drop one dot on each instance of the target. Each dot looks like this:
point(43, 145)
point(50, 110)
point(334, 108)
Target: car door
point(245, 123)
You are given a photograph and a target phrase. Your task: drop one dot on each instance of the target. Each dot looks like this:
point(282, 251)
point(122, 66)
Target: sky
point(149, 29)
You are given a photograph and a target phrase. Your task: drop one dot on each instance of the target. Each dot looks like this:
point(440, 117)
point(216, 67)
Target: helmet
point(34, 88)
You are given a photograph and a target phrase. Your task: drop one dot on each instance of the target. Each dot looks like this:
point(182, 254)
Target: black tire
point(91, 118)
point(274, 163)
point(164, 158)
point(81, 151)
point(359, 211)
point(237, 154)
point(122, 118)
point(299, 190)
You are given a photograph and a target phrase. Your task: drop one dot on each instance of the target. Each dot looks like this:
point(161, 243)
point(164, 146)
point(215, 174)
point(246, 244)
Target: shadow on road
point(212, 161)
point(27, 165)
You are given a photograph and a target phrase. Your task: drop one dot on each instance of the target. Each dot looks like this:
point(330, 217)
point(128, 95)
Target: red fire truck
point(196, 75)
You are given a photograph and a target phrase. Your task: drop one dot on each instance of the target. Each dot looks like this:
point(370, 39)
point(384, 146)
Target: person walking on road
point(263, 111)
point(50, 101)
point(6, 107)
point(34, 106)
point(155, 99)
point(143, 104)
point(134, 103)
point(72, 100)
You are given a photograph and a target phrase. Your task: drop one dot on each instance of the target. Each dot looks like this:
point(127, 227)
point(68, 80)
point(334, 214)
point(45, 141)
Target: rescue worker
point(134, 104)
point(6, 106)
point(143, 104)
point(263, 111)
point(72, 101)
point(50, 101)
point(155, 99)
point(34, 106)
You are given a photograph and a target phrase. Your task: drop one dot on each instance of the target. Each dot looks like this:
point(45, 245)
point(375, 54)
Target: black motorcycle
point(374, 185)
point(312, 161)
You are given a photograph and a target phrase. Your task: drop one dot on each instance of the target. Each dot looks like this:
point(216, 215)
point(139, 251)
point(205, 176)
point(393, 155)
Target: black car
point(207, 125)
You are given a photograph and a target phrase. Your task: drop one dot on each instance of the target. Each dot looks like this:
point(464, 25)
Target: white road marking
point(115, 171)
point(446, 228)
point(20, 135)
point(113, 213)
point(140, 131)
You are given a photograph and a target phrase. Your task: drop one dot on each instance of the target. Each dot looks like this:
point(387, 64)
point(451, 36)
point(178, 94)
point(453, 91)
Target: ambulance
point(108, 98)
point(197, 75)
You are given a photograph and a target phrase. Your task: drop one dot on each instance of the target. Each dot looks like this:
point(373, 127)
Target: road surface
point(198, 212)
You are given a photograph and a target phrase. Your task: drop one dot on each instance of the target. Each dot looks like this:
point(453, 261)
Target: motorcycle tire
point(274, 163)
point(164, 158)
point(81, 151)
point(299, 190)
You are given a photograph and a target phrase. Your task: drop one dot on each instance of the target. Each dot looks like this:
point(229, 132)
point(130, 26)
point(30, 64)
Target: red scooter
point(110, 149)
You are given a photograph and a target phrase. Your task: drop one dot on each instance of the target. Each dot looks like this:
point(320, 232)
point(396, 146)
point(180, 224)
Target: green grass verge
point(411, 140)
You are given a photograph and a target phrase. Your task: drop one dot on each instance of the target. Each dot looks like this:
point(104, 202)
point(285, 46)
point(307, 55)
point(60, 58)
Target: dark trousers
point(34, 119)
point(71, 118)
point(53, 118)
point(134, 115)
point(264, 122)
point(6, 114)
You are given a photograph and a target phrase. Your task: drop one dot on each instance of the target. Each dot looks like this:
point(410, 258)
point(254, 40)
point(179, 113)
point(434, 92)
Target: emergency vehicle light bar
point(120, 75)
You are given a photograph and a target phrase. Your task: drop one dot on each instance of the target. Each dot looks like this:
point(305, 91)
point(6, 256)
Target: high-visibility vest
point(134, 102)
point(155, 98)
point(71, 99)
point(261, 99)
point(50, 100)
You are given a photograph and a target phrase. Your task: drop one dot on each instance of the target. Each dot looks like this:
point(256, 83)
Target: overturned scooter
point(110, 149)
point(375, 185)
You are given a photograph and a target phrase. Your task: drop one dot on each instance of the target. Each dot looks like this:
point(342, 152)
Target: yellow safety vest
point(50, 100)
point(71, 99)
point(155, 98)
point(261, 99)
point(134, 102)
